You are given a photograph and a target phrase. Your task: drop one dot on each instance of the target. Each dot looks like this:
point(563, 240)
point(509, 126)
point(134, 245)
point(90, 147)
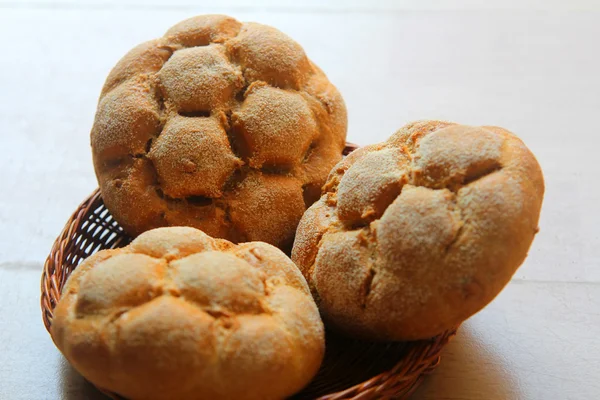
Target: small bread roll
point(224, 126)
point(179, 315)
point(414, 235)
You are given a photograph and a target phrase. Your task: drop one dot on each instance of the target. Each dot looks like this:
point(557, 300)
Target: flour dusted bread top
point(179, 315)
point(220, 125)
point(414, 235)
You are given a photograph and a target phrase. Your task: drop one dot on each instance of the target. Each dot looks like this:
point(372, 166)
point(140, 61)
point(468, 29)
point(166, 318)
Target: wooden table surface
point(530, 66)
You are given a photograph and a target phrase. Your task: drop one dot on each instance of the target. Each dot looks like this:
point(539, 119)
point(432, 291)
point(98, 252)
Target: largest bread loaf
point(220, 125)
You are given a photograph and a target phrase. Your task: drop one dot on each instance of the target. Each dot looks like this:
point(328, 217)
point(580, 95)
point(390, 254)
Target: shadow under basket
point(352, 369)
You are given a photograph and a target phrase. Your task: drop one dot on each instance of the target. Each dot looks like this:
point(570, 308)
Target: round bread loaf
point(414, 235)
point(179, 315)
point(220, 125)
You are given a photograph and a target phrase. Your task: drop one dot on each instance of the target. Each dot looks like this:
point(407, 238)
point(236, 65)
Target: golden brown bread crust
point(209, 120)
point(179, 315)
point(414, 235)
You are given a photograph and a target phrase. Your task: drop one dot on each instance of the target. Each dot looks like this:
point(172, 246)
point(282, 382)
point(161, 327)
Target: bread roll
point(179, 315)
point(414, 235)
point(220, 125)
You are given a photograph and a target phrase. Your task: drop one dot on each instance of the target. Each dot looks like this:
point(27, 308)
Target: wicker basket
point(352, 369)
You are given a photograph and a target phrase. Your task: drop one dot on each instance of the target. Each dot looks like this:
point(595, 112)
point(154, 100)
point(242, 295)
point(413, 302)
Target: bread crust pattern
point(221, 125)
point(180, 315)
point(414, 235)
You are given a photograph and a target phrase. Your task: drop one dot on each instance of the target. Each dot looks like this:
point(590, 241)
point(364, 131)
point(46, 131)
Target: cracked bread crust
point(414, 235)
point(220, 125)
point(179, 315)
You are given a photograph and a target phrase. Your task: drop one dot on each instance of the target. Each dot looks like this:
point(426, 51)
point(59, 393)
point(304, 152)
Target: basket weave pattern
point(352, 369)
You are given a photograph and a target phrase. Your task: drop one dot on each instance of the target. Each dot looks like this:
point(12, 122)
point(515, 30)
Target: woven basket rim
point(421, 358)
